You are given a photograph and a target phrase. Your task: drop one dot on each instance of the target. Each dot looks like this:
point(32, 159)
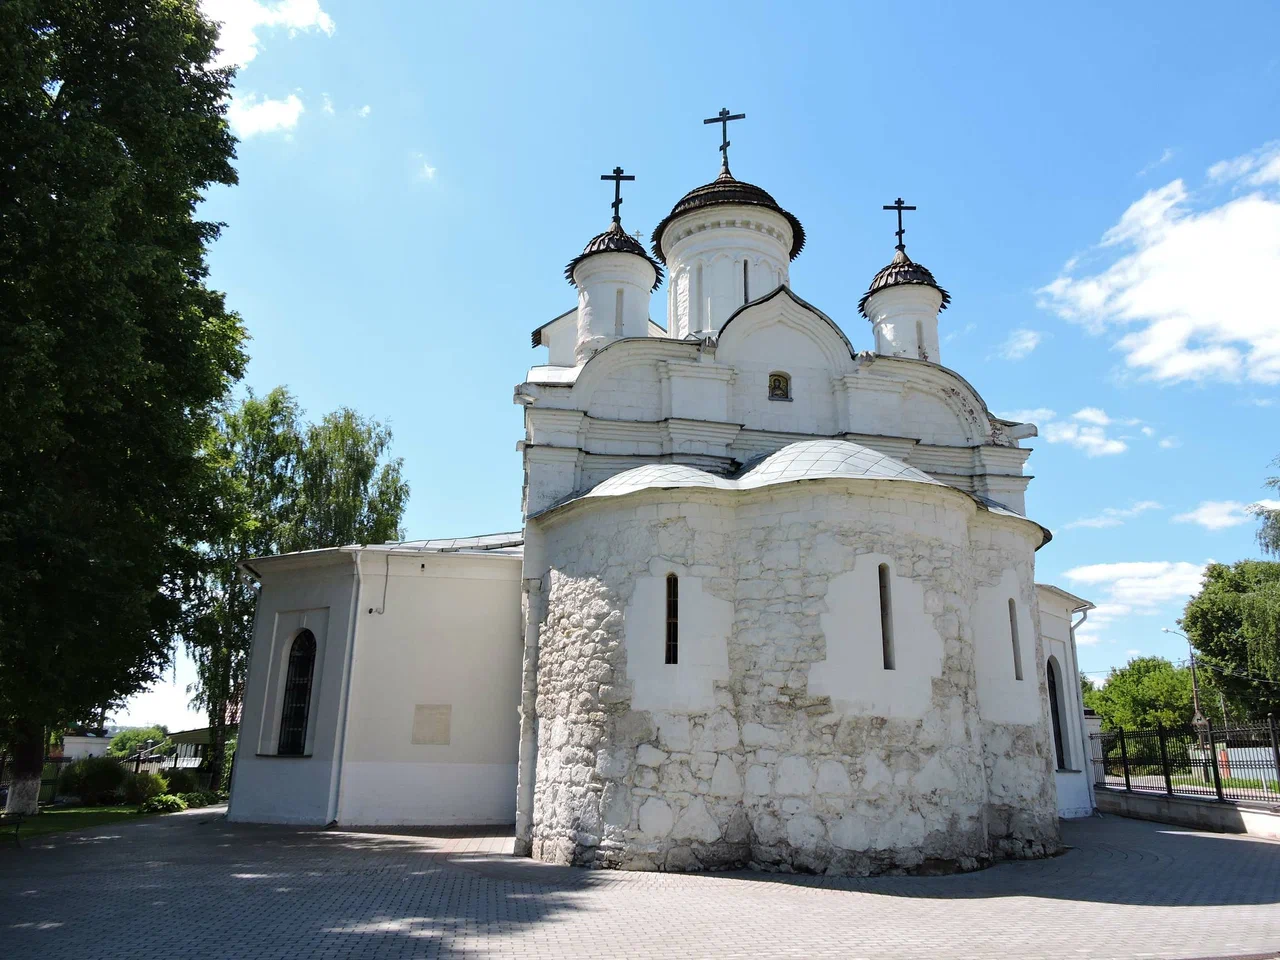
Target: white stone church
point(773, 605)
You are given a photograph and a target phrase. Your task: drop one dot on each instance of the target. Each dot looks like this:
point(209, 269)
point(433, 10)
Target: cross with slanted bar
point(899, 206)
point(723, 118)
point(617, 177)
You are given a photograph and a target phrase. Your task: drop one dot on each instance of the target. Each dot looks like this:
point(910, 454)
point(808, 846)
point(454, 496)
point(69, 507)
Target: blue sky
point(1098, 187)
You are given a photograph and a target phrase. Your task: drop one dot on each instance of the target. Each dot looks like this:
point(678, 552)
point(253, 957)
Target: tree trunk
point(26, 766)
point(217, 746)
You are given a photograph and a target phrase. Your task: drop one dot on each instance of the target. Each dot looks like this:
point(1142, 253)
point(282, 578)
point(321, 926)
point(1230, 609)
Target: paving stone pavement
point(194, 886)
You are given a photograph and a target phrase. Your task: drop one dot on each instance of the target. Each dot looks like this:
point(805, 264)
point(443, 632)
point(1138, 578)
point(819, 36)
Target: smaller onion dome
point(901, 270)
point(613, 240)
point(727, 189)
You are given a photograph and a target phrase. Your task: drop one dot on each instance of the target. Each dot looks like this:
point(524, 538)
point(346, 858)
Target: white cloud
point(1170, 443)
point(1093, 415)
point(1092, 440)
point(252, 115)
point(1164, 158)
point(1038, 415)
point(1181, 298)
point(1087, 639)
point(1148, 432)
point(328, 104)
point(365, 110)
point(242, 20)
point(1222, 514)
point(1138, 587)
point(1257, 168)
point(1115, 516)
point(421, 169)
point(1089, 434)
point(1133, 652)
point(1020, 343)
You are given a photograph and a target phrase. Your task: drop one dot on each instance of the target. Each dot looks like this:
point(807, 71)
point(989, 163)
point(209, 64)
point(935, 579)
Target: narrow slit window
point(746, 284)
point(699, 308)
point(673, 618)
point(1017, 646)
point(886, 617)
point(297, 695)
point(920, 351)
point(617, 313)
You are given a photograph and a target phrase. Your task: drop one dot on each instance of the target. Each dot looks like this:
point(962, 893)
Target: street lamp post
point(1198, 720)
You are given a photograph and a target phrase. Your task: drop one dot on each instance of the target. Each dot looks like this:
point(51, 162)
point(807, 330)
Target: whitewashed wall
point(1074, 796)
point(429, 733)
point(433, 733)
point(316, 592)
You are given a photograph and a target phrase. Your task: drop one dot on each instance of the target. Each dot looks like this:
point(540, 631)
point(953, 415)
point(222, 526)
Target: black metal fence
point(1237, 763)
point(49, 774)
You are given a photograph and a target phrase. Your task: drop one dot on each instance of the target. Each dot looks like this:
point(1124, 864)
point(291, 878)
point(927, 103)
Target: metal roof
point(805, 460)
point(536, 336)
point(901, 270)
point(726, 189)
point(613, 240)
point(485, 543)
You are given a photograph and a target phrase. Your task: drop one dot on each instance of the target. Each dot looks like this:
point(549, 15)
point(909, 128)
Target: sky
point(1098, 187)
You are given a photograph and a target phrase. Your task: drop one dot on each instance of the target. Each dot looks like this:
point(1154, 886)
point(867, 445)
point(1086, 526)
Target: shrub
point(180, 781)
point(141, 787)
point(164, 803)
point(200, 798)
point(95, 780)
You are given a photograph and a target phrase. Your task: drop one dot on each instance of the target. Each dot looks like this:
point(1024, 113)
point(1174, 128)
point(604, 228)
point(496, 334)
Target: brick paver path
point(193, 886)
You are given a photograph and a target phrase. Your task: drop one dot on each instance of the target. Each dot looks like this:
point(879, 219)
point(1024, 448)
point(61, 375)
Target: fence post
point(1124, 759)
point(1164, 760)
point(1213, 757)
point(1275, 751)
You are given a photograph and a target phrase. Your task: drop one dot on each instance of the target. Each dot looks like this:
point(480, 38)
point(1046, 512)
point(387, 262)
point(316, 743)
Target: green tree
point(1234, 625)
point(289, 486)
point(1087, 686)
point(1269, 532)
point(1144, 692)
point(129, 741)
point(113, 352)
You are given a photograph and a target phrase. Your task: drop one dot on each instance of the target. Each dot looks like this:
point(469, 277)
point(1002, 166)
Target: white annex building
point(774, 602)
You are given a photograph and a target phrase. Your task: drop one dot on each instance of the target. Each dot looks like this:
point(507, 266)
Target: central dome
point(726, 189)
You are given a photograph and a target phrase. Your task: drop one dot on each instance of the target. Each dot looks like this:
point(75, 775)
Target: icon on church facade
point(779, 386)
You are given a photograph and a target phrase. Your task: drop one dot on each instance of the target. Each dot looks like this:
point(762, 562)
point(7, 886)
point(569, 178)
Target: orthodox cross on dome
point(617, 177)
point(723, 118)
point(899, 206)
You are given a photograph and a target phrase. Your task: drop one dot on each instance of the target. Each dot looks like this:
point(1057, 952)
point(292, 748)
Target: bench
point(12, 819)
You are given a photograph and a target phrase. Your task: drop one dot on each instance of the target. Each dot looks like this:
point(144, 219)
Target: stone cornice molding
point(727, 216)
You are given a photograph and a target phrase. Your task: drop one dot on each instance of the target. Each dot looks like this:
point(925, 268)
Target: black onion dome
point(727, 189)
point(613, 240)
point(900, 271)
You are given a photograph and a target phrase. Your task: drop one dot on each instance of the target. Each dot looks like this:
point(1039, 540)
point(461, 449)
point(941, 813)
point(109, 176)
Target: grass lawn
point(70, 818)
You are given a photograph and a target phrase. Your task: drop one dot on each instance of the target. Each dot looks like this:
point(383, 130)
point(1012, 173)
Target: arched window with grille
point(1055, 712)
point(673, 618)
point(297, 695)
